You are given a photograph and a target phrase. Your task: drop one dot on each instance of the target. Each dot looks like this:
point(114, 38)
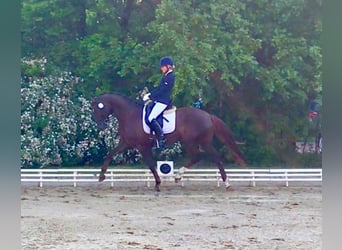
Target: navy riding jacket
point(163, 92)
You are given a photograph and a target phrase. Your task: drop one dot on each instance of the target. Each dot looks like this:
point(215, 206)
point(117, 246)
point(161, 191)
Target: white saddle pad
point(169, 122)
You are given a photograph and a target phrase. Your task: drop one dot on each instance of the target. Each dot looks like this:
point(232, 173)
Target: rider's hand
point(146, 97)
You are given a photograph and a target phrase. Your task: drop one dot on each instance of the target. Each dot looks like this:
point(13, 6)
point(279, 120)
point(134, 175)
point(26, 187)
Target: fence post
point(112, 178)
point(253, 178)
point(41, 178)
point(286, 179)
point(148, 179)
point(75, 173)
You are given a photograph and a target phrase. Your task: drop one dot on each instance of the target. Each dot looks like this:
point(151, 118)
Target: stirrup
point(161, 143)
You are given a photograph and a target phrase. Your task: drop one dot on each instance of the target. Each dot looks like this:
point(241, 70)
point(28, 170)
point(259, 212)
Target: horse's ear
point(93, 102)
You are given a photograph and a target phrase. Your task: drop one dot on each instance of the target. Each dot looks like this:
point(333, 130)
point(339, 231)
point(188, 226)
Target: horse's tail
point(224, 134)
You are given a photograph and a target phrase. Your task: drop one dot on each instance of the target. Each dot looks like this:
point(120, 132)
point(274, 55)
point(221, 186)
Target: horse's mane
point(129, 100)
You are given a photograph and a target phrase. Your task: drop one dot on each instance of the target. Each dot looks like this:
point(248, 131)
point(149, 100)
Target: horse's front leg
point(119, 149)
point(146, 153)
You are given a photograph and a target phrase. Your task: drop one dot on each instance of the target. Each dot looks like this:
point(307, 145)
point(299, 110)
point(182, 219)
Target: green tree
point(91, 39)
point(255, 64)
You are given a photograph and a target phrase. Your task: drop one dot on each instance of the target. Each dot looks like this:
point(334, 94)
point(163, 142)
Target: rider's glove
point(146, 97)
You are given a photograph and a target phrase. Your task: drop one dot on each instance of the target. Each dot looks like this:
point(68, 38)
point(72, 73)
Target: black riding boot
point(159, 133)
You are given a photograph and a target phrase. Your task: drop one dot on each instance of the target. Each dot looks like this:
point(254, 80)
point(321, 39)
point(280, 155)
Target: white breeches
point(157, 110)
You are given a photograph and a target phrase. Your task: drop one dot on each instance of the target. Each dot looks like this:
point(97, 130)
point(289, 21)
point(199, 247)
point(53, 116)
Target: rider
point(161, 96)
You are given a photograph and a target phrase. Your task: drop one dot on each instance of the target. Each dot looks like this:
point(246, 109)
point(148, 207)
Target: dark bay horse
point(195, 129)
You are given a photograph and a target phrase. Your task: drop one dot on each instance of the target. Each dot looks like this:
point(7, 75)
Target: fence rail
point(75, 176)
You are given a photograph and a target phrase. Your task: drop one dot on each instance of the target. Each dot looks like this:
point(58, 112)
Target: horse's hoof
point(229, 188)
point(157, 188)
point(102, 178)
point(177, 179)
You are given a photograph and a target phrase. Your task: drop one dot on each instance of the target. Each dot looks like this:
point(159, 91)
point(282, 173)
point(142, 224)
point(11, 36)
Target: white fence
point(75, 176)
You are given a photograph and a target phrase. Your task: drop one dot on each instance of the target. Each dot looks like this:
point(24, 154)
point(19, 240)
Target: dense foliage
point(56, 124)
point(255, 63)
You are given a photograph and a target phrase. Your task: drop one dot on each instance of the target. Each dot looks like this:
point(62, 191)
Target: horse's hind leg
point(194, 154)
point(216, 157)
point(186, 166)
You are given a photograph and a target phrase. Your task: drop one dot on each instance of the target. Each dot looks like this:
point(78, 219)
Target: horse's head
point(101, 111)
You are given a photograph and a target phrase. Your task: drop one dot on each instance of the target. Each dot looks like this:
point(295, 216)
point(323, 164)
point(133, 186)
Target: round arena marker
point(165, 168)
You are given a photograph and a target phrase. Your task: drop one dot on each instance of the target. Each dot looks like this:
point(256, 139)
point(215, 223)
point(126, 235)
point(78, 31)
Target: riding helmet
point(166, 60)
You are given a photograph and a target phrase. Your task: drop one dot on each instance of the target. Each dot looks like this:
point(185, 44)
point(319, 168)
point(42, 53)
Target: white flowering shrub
point(170, 153)
point(57, 126)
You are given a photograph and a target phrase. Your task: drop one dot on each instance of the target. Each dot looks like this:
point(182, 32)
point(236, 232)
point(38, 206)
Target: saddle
point(160, 118)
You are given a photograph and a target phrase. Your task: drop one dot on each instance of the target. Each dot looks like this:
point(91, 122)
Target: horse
point(194, 129)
